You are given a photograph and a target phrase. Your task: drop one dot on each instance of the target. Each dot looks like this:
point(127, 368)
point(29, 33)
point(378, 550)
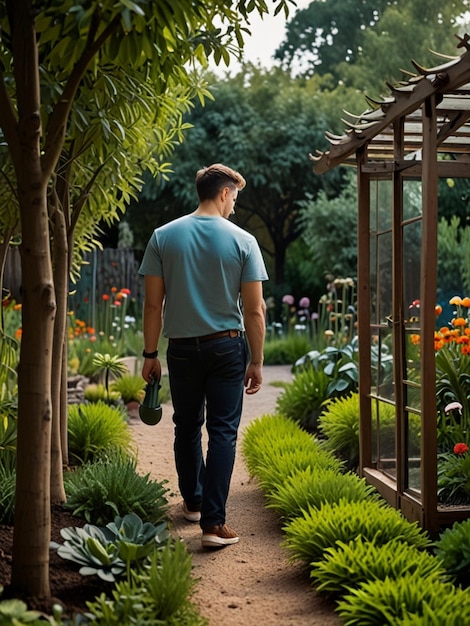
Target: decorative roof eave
point(404, 99)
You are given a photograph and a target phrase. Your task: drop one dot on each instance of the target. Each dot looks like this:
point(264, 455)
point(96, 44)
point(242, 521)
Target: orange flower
point(415, 339)
point(126, 292)
point(18, 333)
point(459, 321)
point(466, 302)
point(113, 289)
point(90, 330)
point(456, 300)
point(17, 307)
point(105, 297)
point(438, 309)
point(465, 349)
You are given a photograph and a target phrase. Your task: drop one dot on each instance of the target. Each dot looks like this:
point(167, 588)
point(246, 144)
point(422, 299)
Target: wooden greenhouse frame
point(403, 143)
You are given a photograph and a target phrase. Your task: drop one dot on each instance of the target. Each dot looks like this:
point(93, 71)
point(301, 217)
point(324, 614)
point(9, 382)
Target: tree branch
point(59, 117)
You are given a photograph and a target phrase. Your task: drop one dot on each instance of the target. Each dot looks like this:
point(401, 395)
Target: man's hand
point(151, 369)
point(253, 378)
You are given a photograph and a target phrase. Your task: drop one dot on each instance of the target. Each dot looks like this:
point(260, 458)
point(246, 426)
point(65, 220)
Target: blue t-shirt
point(203, 261)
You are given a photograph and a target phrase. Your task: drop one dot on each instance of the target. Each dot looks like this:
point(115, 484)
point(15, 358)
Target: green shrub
point(303, 399)
point(308, 536)
point(287, 350)
point(406, 600)
point(131, 387)
point(103, 490)
point(96, 392)
point(453, 548)
point(453, 478)
point(314, 486)
point(96, 430)
point(281, 464)
point(270, 432)
point(160, 593)
point(339, 424)
point(345, 566)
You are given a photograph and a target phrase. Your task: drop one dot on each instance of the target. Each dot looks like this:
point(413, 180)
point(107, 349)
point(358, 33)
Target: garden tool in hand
point(150, 411)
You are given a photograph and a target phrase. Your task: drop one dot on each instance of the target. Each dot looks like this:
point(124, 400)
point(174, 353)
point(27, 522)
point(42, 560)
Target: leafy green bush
point(309, 535)
point(103, 490)
point(345, 566)
point(453, 478)
point(287, 350)
point(160, 593)
point(339, 424)
point(453, 548)
point(406, 600)
point(131, 387)
point(96, 392)
point(281, 464)
point(109, 552)
point(272, 432)
point(96, 430)
point(314, 486)
point(303, 399)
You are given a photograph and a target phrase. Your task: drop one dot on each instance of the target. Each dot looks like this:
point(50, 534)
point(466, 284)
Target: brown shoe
point(218, 536)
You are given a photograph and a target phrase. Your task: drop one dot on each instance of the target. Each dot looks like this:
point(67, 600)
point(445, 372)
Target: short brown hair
point(210, 180)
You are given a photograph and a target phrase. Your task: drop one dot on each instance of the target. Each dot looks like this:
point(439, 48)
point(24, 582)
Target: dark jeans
point(206, 379)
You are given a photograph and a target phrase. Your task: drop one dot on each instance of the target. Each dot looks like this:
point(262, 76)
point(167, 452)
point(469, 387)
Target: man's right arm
point(152, 324)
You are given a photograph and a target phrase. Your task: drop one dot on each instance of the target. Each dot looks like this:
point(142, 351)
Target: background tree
point(262, 123)
point(366, 42)
point(164, 38)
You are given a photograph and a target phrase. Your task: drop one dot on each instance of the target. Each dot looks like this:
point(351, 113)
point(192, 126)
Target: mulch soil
point(68, 586)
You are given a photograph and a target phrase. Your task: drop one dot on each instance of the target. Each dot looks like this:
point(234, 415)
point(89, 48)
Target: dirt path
point(251, 583)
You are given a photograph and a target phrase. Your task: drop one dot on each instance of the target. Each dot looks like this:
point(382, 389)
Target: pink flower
point(288, 299)
point(453, 406)
point(304, 302)
point(460, 448)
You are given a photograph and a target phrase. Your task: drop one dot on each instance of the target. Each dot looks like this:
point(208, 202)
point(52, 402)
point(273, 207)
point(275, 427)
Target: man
point(197, 268)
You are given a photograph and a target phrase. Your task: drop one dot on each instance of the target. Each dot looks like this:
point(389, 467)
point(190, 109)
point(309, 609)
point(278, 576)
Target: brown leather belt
point(203, 338)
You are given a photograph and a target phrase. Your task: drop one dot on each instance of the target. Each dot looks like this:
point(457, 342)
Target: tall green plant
point(103, 490)
point(96, 430)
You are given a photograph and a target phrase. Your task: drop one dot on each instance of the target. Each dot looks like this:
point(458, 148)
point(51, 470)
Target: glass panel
point(382, 364)
point(411, 297)
point(384, 277)
point(414, 451)
point(384, 420)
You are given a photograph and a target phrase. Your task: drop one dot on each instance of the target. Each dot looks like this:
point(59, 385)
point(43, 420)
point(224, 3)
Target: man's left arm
point(254, 314)
point(152, 324)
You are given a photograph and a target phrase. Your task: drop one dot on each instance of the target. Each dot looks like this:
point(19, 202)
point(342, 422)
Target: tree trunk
point(31, 537)
point(30, 567)
point(59, 355)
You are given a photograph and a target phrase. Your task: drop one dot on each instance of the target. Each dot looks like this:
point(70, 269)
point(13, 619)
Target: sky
point(266, 35)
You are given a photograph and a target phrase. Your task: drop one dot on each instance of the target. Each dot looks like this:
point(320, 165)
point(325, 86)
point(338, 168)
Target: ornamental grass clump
point(453, 549)
point(97, 430)
point(272, 433)
point(103, 490)
point(308, 536)
point(346, 565)
point(280, 464)
point(406, 601)
point(303, 399)
point(314, 486)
